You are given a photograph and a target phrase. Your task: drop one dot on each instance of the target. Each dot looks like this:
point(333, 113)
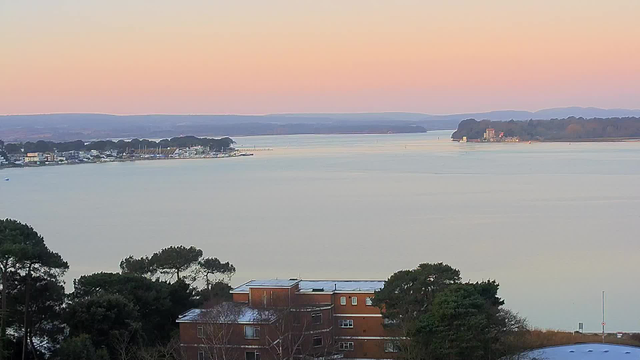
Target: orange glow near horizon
point(255, 57)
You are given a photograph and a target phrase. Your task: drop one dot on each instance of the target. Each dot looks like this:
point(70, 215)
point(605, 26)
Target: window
point(316, 318)
point(354, 300)
point(343, 300)
point(345, 323)
point(368, 301)
point(388, 321)
point(251, 355)
point(252, 332)
point(317, 341)
point(200, 355)
point(200, 331)
point(391, 347)
point(345, 346)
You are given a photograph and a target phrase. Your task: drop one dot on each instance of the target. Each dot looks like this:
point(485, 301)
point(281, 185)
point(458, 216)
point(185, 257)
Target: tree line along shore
point(569, 129)
point(43, 152)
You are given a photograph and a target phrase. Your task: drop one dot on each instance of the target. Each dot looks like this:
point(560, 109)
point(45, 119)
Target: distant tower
point(490, 134)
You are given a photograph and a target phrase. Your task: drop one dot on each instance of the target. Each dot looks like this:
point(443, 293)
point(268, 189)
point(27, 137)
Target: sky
point(258, 57)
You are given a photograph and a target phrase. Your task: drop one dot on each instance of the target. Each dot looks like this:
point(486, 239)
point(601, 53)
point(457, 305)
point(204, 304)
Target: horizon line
point(319, 113)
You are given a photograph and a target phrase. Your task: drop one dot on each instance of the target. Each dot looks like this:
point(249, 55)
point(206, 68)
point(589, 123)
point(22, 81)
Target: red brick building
point(283, 319)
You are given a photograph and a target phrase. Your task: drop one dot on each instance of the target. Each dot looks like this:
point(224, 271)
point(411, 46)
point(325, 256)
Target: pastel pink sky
point(256, 57)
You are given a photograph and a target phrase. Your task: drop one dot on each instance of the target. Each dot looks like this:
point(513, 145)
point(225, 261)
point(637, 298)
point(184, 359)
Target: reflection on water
point(554, 223)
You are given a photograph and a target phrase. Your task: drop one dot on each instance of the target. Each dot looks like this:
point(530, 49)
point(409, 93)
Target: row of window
point(250, 332)
point(248, 355)
point(354, 301)
point(253, 332)
point(347, 324)
point(389, 346)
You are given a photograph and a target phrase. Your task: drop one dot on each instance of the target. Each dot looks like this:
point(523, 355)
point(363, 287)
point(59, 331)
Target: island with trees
point(43, 152)
point(568, 129)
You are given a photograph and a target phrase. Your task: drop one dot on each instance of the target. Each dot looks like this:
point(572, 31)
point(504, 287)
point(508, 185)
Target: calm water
point(554, 223)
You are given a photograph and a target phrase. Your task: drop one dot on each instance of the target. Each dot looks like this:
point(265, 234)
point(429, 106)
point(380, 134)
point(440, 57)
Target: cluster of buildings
point(490, 136)
point(282, 319)
point(96, 156)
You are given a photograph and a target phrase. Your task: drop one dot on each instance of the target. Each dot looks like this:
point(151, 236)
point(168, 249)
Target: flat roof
point(228, 313)
point(367, 286)
point(271, 283)
point(585, 351)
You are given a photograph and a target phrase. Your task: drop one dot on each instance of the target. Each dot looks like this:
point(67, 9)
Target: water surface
point(554, 223)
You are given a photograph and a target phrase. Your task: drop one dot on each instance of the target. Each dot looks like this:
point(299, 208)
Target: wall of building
point(349, 308)
point(368, 333)
point(261, 297)
point(314, 299)
point(367, 349)
point(243, 298)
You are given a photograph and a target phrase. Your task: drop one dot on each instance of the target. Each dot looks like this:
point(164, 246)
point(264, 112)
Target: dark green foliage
point(176, 260)
point(45, 308)
point(13, 148)
point(436, 317)
point(121, 145)
point(101, 316)
point(407, 293)
point(108, 315)
point(80, 348)
point(216, 293)
point(157, 303)
point(213, 267)
point(28, 268)
point(141, 266)
point(571, 128)
point(462, 323)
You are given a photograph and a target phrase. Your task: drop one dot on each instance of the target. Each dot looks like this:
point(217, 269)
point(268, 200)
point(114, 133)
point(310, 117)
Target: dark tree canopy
point(28, 268)
point(101, 316)
point(109, 315)
point(410, 292)
point(158, 303)
point(175, 260)
point(569, 129)
point(137, 266)
point(221, 144)
point(81, 348)
point(214, 267)
point(437, 317)
point(462, 323)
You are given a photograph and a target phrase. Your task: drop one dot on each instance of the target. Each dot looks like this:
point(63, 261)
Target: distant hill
point(64, 127)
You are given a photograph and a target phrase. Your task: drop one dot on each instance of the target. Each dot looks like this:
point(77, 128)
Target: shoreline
point(14, 166)
point(591, 140)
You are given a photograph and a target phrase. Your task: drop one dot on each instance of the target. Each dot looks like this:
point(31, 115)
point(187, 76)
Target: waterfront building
point(277, 319)
point(490, 134)
point(34, 158)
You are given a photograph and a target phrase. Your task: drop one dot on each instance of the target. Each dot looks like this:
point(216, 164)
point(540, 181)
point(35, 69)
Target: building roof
point(272, 283)
point(229, 313)
point(585, 351)
point(367, 286)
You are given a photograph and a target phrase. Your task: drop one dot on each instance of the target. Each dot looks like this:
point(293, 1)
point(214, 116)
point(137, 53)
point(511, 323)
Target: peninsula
point(42, 153)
